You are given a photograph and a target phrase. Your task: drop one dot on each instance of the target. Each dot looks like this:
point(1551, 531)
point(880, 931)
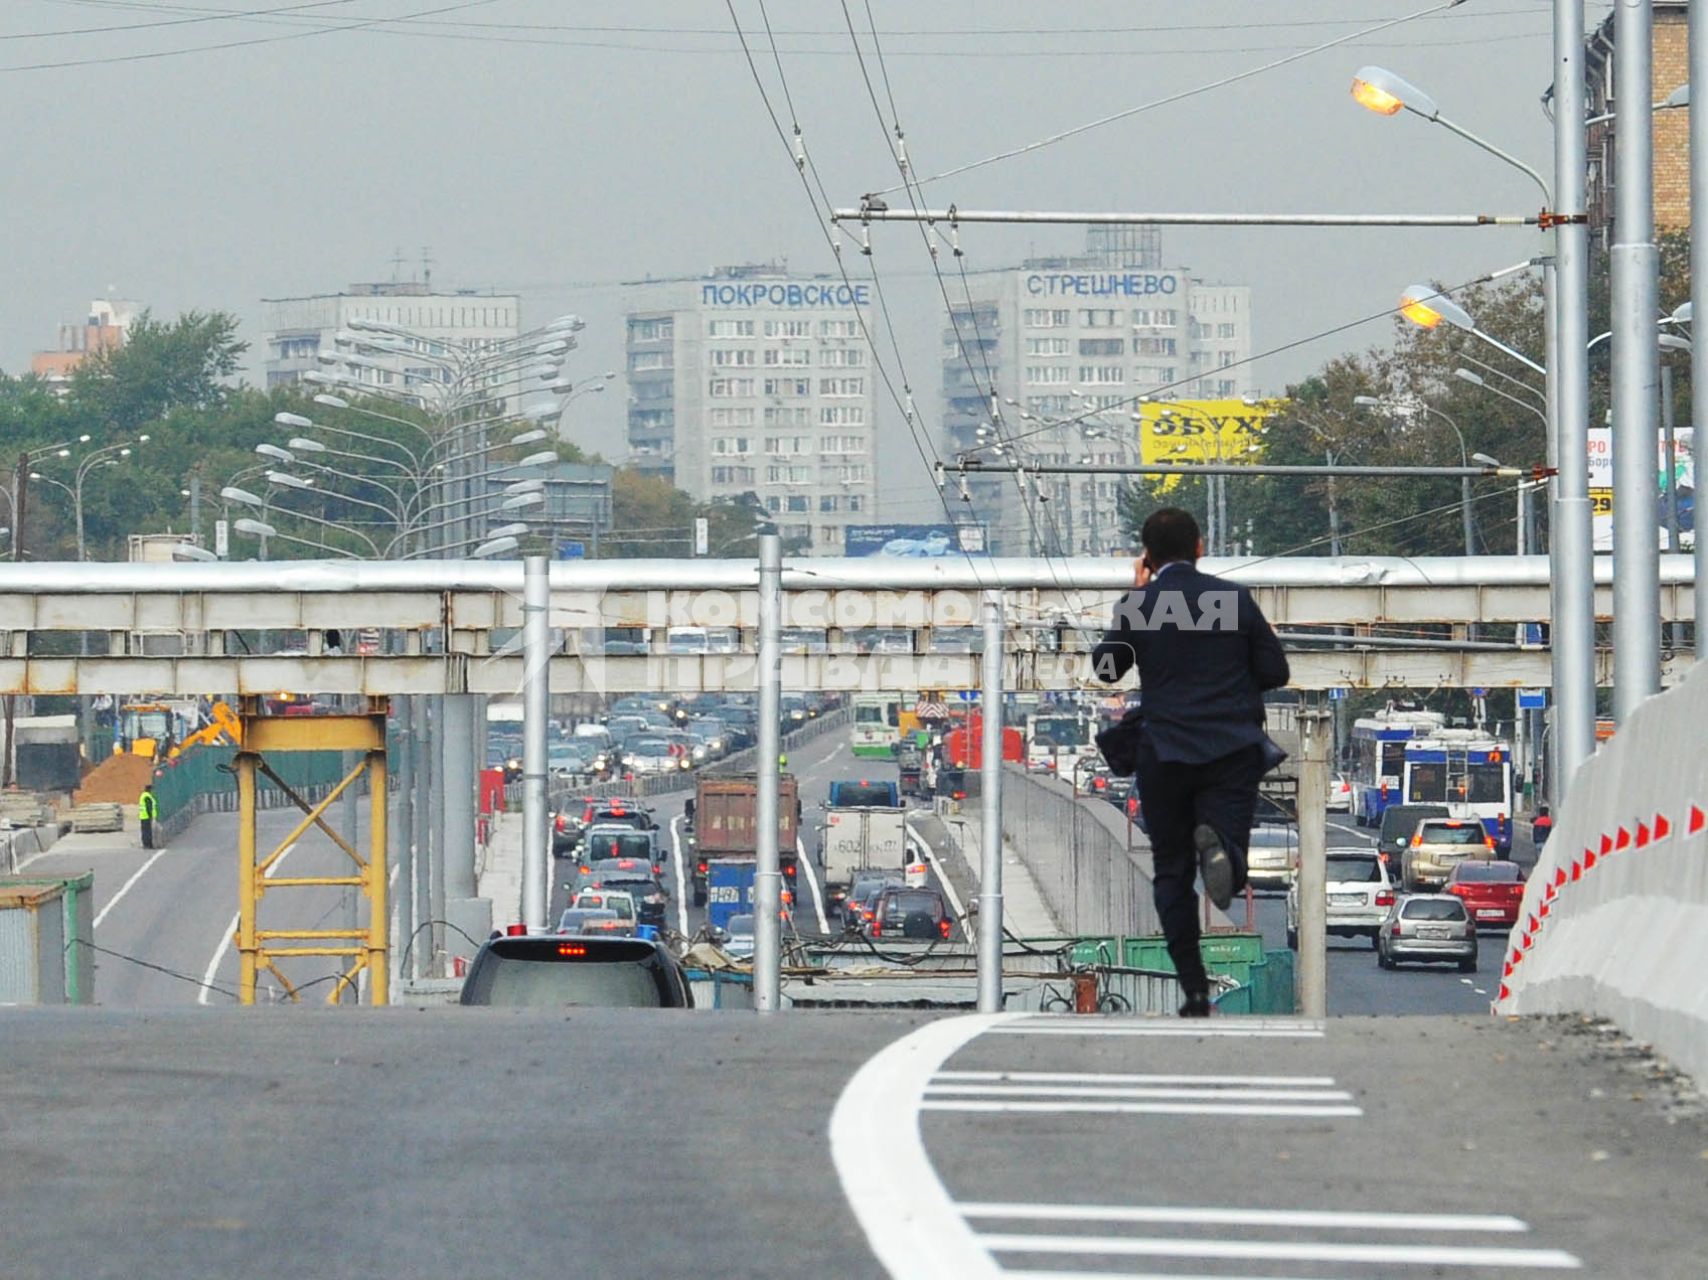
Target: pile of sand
point(116, 780)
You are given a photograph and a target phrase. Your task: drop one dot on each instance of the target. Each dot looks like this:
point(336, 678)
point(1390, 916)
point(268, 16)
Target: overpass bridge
point(453, 627)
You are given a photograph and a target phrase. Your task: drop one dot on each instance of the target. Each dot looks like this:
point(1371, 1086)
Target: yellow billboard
point(1203, 431)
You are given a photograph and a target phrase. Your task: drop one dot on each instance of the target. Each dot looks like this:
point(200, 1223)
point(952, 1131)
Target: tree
point(161, 366)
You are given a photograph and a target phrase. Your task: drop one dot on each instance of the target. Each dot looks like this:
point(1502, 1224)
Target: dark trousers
point(148, 833)
point(1176, 797)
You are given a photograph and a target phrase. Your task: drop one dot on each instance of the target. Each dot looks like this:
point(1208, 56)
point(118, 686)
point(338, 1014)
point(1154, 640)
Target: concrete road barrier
point(1615, 917)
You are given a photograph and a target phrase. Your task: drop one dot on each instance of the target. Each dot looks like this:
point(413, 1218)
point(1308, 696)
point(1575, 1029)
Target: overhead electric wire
point(1178, 96)
point(156, 54)
point(221, 15)
point(1151, 393)
point(802, 159)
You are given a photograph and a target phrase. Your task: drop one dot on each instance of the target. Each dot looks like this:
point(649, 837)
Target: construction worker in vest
point(783, 761)
point(147, 810)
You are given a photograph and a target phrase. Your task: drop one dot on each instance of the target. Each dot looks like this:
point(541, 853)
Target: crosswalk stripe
point(1097, 1091)
point(1118, 1077)
point(1143, 1108)
point(1285, 1251)
point(1317, 1218)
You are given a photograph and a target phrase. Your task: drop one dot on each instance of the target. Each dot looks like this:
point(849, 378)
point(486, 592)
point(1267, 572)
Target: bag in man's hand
point(1120, 743)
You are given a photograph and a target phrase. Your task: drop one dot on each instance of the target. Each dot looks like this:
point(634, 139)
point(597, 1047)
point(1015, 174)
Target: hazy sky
point(556, 147)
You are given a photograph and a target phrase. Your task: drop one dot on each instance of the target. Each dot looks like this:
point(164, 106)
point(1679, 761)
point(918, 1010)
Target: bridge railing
point(1615, 917)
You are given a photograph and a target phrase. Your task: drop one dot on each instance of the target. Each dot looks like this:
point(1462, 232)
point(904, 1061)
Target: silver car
point(1272, 855)
point(1428, 927)
point(1360, 896)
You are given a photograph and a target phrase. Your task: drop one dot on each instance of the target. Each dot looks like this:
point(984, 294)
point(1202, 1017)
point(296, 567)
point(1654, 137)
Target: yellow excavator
point(158, 729)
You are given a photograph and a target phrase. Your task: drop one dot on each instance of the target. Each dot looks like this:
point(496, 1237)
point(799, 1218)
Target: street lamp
point(1476, 380)
point(494, 547)
point(1426, 307)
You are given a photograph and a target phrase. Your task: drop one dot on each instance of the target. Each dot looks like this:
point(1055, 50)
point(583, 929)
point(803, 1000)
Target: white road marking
point(1097, 1091)
point(1141, 1108)
point(912, 1226)
point(125, 888)
point(1140, 1275)
point(231, 936)
point(805, 864)
point(1285, 1251)
point(1092, 1077)
point(1327, 1219)
point(676, 861)
point(1247, 1028)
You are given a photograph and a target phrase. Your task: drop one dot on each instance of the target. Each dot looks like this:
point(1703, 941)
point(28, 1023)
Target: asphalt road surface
point(163, 918)
point(441, 1142)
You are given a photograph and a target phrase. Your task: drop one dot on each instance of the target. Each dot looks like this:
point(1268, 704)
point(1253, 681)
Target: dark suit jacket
point(1205, 654)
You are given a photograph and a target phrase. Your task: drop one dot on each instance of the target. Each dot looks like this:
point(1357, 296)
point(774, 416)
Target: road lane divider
point(805, 864)
point(681, 888)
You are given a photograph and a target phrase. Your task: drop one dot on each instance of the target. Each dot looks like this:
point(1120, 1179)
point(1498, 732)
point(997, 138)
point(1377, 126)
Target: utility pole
point(1313, 863)
point(536, 709)
point(20, 498)
point(1698, 60)
point(1636, 302)
point(768, 877)
point(990, 800)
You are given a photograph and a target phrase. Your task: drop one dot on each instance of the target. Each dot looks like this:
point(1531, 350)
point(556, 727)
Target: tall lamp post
point(106, 456)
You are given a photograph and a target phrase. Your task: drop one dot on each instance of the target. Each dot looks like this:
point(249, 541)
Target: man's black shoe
point(1196, 1007)
point(1214, 865)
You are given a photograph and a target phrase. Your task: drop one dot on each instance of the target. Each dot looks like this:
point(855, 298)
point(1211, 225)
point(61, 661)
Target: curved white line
point(805, 864)
point(125, 888)
point(912, 1225)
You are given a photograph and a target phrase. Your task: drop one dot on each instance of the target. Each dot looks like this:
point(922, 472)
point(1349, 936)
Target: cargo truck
point(726, 810)
point(864, 826)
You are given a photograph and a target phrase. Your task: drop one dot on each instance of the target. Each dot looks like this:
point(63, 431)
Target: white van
point(597, 735)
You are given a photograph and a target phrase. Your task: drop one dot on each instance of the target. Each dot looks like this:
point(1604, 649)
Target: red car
point(1491, 891)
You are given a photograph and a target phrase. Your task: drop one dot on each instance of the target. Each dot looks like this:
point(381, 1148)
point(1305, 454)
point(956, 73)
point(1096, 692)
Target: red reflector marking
point(1642, 834)
point(1546, 908)
point(1559, 877)
point(1507, 972)
point(1504, 993)
point(1663, 828)
point(1624, 839)
point(1588, 859)
point(1696, 820)
point(1606, 845)
point(1532, 926)
point(1517, 955)
point(1577, 871)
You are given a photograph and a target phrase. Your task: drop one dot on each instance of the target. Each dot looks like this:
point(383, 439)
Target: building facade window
point(842, 358)
point(1046, 373)
point(1045, 318)
point(788, 417)
point(1046, 346)
point(1097, 318)
point(788, 388)
point(729, 328)
point(723, 388)
point(723, 417)
point(842, 415)
point(788, 357)
point(842, 387)
point(1102, 374)
point(839, 328)
point(730, 357)
point(788, 328)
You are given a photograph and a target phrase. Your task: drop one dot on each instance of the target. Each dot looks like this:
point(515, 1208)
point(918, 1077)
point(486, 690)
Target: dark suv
point(902, 912)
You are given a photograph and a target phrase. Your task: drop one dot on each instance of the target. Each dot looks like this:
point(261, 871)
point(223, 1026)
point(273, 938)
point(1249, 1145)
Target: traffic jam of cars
point(649, 897)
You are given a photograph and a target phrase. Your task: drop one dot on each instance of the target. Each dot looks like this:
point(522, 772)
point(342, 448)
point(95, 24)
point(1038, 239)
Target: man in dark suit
point(1205, 654)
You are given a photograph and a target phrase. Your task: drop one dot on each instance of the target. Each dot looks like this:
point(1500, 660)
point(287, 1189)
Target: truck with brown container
point(726, 824)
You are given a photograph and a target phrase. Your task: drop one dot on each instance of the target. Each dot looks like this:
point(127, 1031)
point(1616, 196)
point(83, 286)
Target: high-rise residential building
point(1671, 127)
point(298, 329)
point(1052, 358)
point(752, 380)
point(105, 326)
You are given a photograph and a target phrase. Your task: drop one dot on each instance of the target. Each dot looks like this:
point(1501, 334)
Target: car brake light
point(702, 868)
point(571, 949)
point(515, 930)
point(877, 925)
point(1490, 843)
point(789, 870)
point(943, 926)
point(1384, 899)
point(1417, 841)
